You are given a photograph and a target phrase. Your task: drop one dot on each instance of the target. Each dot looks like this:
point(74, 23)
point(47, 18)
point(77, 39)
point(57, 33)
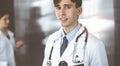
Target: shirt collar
point(9, 33)
point(71, 34)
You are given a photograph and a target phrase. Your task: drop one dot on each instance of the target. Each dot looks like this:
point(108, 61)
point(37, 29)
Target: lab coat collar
point(9, 33)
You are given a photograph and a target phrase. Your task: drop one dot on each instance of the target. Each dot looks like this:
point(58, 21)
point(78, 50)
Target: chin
point(6, 27)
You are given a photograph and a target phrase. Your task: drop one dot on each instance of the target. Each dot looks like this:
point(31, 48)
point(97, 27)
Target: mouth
point(63, 19)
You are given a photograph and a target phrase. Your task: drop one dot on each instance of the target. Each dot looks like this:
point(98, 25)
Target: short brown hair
point(77, 2)
point(3, 12)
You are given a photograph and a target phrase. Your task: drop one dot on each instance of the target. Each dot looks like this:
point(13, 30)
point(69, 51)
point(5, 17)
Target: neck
point(69, 29)
point(4, 31)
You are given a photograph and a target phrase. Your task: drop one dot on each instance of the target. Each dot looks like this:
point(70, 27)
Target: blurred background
point(34, 20)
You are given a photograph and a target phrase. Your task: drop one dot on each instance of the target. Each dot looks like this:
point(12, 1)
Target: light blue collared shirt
point(71, 34)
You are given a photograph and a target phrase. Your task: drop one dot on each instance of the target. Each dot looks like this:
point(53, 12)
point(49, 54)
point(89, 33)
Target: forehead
point(5, 16)
point(63, 2)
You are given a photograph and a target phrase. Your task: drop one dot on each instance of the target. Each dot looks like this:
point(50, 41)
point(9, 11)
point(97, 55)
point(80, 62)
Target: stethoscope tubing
point(75, 46)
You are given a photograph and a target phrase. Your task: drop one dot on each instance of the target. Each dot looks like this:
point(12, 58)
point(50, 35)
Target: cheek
point(57, 14)
point(1, 24)
point(72, 15)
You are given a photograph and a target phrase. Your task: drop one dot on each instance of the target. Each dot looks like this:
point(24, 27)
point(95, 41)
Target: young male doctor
point(72, 45)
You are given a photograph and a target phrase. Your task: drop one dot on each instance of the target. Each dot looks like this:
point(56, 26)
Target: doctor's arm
point(46, 56)
point(46, 51)
point(98, 56)
point(45, 61)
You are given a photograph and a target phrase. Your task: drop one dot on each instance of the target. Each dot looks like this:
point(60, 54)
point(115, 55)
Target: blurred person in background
point(7, 41)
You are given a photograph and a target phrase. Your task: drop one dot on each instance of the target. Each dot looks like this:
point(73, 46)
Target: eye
point(6, 18)
point(67, 7)
point(58, 8)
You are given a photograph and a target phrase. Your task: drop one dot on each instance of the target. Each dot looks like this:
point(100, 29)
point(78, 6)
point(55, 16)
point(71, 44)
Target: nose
point(8, 21)
point(62, 11)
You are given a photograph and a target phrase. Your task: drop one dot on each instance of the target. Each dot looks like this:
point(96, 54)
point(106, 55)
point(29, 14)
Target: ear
point(79, 10)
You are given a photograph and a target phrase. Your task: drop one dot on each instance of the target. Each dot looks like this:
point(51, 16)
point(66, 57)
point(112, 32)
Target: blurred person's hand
point(19, 44)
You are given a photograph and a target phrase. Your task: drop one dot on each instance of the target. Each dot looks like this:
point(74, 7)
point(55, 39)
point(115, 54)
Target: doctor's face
point(4, 21)
point(67, 13)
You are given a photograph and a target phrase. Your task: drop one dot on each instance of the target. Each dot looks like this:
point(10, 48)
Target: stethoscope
point(74, 58)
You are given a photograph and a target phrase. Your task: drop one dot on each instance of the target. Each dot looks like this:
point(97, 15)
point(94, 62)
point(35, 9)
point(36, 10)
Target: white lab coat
point(95, 54)
point(7, 50)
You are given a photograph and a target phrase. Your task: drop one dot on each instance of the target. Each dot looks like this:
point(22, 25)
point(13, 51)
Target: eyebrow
point(67, 4)
point(63, 5)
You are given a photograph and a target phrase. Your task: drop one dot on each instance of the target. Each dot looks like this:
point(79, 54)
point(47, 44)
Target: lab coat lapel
point(56, 50)
point(56, 47)
point(68, 51)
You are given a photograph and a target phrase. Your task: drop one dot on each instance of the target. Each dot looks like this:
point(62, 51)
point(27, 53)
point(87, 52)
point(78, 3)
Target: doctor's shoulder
point(53, 36)
point(94, 44)
point(49, 43)
point(93, 40)
point(51, 39)
point(96, 50)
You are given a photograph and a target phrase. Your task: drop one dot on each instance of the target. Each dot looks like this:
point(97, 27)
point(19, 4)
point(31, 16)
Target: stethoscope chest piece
point(49, 63)
point(63, 63)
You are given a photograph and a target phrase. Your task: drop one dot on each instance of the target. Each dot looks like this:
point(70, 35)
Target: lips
point(63, 19)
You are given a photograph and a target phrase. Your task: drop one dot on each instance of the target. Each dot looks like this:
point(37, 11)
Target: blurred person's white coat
point(7, 49)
